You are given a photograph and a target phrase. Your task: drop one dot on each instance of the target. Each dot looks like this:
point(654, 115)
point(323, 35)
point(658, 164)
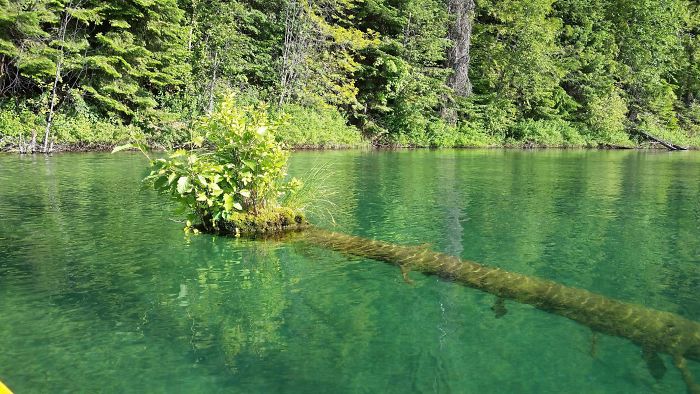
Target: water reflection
point(100, 291)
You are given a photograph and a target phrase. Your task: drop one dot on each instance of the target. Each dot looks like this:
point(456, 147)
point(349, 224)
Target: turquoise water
point(101, 291)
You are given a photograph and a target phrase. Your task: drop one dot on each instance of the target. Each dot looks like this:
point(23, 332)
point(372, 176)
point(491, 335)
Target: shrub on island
point(232, 176)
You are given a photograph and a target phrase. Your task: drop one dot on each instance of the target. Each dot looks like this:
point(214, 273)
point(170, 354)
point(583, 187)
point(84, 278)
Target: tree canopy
point(401, 72)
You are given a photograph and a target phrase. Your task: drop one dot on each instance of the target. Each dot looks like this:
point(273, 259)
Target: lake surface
point(101, 290)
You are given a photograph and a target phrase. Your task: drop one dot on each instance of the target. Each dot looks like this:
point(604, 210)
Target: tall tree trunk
point(52, 107)
point(286, 70)
point(460, 34)
point(56, 80)
point(296, 44)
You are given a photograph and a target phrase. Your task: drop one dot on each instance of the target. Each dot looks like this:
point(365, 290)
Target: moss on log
point(653, 330)
point(268, 223)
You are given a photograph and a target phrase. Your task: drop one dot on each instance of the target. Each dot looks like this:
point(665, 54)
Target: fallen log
point(653, 330)
point(668, 145)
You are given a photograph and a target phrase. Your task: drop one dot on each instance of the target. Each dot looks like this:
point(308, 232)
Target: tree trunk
point(52, 106)
point(652, 329)
point(460, 34)
point(290, 19)
point(32, 143)
point(56, 80)
point(295, 46)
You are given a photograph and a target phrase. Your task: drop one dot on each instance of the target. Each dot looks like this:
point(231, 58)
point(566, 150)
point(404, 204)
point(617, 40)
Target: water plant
point(314, 196)
point(232, 176)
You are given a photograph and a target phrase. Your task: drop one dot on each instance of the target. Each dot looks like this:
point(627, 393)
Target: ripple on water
point(101, 291)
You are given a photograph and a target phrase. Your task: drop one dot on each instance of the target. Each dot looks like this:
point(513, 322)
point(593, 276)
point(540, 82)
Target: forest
point(263, 225)
point(89, 74)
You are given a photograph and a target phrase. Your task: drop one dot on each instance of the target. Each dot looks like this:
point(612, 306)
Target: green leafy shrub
point(16, 125)
point(498, 116)
point(547, 132)
point(316, 128)
point(486, 119)
point(690, 124)
point(473, 135)
point(408, 127)
point(75, 125)
point(650, 124)
point(89, 129)
point(233, 173)
point(442, 134)
point(164, 128)
point(606, 120)
point(464, 135)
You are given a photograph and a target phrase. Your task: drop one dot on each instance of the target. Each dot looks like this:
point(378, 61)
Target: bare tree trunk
point(407, 31)
point(31, 148)
point(56, 80)
point(22, 146)
point(3, 67)
point(296, 45)
point(52, 106)
point(32, 144)
point(287, 51)
point(461, 35)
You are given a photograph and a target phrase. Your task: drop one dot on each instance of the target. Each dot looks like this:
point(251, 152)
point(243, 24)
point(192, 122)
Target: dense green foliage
point(234, 167)
point(305, 127)
point(542, 72)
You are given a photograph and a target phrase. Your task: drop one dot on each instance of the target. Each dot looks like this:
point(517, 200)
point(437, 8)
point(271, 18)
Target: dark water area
point(101, 291)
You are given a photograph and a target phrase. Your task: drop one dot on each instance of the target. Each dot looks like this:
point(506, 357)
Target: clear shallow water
point(101, 292)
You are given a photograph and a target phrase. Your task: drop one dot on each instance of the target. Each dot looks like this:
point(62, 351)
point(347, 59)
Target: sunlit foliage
point(234, 165)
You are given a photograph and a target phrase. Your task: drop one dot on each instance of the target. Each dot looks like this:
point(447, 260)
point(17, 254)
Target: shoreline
point(107, 147)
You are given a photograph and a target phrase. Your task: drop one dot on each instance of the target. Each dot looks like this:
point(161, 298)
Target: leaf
point(120, 23)
point(123, 148)
point(228, 202)
point(160, 182)
point(183, 185)
point(238, 206)
point(202, 179)
point(178, 153)
point(250, 164)
point(245, 193)
point(171, 178)
point(198, 140)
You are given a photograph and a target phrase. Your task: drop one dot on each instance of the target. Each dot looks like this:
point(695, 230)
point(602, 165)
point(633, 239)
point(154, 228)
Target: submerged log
point(653, 330)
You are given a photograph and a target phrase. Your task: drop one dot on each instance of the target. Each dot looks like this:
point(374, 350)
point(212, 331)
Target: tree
point(404, 72)
point(59, 65)
point(460, 33)
point(402, 79)
point(117, 55)
point(231, 44)
point(648, 35)
point(515, 56)
point(319, 52)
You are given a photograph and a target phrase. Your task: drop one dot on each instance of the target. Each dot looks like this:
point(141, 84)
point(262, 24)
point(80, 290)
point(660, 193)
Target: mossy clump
point(271, 222)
